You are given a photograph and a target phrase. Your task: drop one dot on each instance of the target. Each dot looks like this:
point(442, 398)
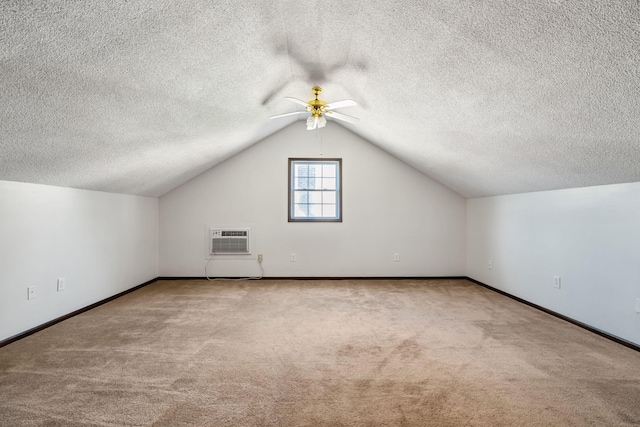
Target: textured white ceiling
point(487, 97)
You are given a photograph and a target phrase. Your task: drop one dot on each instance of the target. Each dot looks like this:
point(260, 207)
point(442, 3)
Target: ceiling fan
point(318, 108)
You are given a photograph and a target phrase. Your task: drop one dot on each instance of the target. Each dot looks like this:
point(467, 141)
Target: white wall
point(588, 236)
point(388, 207)
point(101, 243)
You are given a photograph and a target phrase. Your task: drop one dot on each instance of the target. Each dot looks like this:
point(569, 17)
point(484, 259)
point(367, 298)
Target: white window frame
point(293, 189)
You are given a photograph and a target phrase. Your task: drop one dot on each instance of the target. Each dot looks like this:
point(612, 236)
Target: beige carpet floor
point(317, 353)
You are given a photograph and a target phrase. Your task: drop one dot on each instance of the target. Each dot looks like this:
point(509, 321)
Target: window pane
point(329, 171)
point(315, 197)
point(314, 170)
point(315, 211)
point(302, 183)
point(301, 210)
point(315, 183)
point(329, 184)
point(301, 197)
point(329, 211)
point(301, 169)
point(329, 197)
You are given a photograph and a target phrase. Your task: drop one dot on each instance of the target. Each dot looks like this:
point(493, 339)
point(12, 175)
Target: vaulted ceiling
point(487, 97)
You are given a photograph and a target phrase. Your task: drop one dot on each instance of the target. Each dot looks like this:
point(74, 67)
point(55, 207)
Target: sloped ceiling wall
point(487, 97)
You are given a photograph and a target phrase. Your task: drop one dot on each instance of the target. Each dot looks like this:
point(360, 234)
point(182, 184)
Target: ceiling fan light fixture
point(311, 122)
point(316, 121)
point(322, 122)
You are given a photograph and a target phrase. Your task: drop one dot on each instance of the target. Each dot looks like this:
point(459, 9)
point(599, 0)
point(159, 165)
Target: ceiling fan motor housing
point(315, 105)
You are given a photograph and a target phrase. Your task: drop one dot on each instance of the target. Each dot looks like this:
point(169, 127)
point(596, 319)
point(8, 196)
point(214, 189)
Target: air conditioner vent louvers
point(229, 246)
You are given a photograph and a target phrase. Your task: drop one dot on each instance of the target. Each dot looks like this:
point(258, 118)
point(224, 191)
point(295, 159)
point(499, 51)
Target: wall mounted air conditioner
point(227, 241)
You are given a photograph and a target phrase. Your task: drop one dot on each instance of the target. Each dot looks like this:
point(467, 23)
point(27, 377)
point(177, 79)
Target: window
point(315, 190)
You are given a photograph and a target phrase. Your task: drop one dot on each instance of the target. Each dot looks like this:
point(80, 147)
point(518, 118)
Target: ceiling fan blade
point(297, 101)
point(286, 114)
point(342, 117)
point(340, 104)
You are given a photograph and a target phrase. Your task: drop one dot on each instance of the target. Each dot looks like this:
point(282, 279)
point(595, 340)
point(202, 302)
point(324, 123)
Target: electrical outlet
point(293, 257)
point(637, 305)
point(490, 265)
point(259, 257)
point(31, 292)
point(396, 257)
point(61, 284)
point(557, 282)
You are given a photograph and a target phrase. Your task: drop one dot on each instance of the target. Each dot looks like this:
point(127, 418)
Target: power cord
point(258, 260)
